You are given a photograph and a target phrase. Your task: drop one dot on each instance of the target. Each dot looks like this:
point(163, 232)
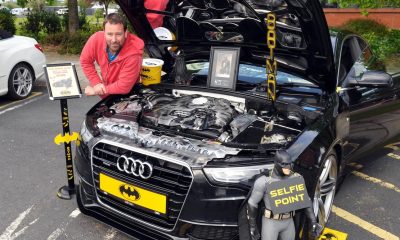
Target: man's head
point(283, 163)
point(115, 31)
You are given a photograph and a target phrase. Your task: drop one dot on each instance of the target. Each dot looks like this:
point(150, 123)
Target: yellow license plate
point(133, 194)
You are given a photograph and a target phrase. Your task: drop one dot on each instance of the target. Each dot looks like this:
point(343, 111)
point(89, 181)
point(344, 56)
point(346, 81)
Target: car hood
point(303, 40)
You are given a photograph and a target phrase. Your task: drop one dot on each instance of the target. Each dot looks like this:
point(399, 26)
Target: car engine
point(205, 124)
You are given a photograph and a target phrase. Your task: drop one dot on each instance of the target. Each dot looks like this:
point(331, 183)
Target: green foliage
point(82, 21)
point(22, 3)
point(365, 26)
point(384, 43)
point(51, 22)
point(7, 21)
point(10, 5)
point(41, 22)
point(55, 38)
point(73, 44)
point(366, 3)
point(98, 14)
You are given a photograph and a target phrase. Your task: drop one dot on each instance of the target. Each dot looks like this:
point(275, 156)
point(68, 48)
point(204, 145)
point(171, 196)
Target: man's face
point(115, 36)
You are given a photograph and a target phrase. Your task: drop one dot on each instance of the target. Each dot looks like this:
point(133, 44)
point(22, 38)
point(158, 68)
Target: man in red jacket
point(119, 55)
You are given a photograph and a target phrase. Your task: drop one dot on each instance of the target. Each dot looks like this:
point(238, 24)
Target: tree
point(73, 20)
point(22, 3)
point(106, 3)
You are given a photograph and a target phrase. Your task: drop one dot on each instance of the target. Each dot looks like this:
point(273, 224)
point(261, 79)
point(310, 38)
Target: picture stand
point(223, 68)
point(62, 84)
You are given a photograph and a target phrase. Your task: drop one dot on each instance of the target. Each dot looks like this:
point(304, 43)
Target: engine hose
point(150, 103)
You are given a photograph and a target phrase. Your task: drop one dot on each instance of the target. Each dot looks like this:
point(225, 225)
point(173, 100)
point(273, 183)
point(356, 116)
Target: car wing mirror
point(377, 79)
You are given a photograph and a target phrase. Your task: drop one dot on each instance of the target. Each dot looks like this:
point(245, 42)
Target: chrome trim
point(210, 224)
point(146, 152)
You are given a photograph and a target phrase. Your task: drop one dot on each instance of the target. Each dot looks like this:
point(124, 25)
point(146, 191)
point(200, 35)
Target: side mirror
point(375, 79)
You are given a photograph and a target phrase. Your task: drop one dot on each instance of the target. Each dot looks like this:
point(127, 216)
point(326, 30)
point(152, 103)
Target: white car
point(19, 11)
point(62, 11)
point(21, 63)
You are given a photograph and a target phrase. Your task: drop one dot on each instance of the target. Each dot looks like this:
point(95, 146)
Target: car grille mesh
point(168, 178)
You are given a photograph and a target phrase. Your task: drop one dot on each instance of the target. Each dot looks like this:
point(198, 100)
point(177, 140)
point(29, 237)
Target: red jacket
point(155, 20)
point(120, 75)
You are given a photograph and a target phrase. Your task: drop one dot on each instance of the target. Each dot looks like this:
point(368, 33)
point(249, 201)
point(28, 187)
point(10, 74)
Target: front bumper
point(209, 212)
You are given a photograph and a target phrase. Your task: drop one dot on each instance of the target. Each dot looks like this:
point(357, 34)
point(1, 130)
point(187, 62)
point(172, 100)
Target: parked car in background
point(19, 11)
point(21, 63)
point(62, 11)
point(176, 160)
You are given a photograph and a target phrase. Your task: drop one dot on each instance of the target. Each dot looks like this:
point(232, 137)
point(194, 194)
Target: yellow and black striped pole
point(271, 65)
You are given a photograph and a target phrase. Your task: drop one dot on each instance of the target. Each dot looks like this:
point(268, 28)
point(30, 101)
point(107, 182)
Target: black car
point(175, 160)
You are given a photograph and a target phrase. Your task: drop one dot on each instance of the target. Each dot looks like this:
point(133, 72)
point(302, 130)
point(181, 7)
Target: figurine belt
point(268, 214)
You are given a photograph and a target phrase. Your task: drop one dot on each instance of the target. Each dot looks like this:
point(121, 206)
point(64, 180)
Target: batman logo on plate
point(129, 192)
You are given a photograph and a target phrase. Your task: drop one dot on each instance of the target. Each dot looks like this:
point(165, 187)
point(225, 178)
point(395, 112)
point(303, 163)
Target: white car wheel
point(20, 82)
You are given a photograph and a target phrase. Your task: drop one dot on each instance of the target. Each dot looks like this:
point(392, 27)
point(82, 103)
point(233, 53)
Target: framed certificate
point(62, 81)
point(224, 65)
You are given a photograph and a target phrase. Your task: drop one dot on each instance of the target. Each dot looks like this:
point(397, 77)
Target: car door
point(374, 112)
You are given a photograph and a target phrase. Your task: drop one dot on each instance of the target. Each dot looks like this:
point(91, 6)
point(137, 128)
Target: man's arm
point(87, 60)
point(127, 77)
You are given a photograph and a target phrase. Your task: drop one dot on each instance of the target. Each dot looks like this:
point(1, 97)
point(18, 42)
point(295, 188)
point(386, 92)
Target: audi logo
point(134, 167)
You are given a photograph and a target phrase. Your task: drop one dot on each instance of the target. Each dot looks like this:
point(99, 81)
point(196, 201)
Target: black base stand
point(65, 192)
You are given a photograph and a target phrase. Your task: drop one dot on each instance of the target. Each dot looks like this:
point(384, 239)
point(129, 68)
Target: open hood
point(303, 41)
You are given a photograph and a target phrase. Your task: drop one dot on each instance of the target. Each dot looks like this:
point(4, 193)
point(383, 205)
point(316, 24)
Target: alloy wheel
point(22, 81)
point(325, 190)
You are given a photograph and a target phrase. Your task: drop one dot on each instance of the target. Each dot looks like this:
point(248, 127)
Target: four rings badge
point(134, 167)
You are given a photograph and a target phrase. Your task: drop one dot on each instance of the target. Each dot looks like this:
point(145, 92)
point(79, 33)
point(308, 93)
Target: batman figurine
point(274, 226)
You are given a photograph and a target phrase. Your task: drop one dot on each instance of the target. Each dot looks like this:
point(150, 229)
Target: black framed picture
point(224, 67)
point(62, 81)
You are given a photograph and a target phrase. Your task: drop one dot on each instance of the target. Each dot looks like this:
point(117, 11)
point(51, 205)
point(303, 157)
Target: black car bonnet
point(303, 40)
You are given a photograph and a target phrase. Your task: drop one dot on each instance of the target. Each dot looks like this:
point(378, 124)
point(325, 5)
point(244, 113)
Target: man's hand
point(89, 91)
point(100, 89)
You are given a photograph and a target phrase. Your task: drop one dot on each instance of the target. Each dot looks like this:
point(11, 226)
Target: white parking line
point(75, 213)
point(110, 234)
point(20, 105)
point(54, 235)
point(60, 230)
point(9, 234)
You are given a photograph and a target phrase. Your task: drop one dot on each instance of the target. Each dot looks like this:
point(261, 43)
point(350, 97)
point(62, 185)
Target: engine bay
point(208, 124)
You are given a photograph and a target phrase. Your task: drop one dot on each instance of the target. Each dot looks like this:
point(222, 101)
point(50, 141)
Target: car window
point(365, 62)
point(249, 74)
point(350, 52)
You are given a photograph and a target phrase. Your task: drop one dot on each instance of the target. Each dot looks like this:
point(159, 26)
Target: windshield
point(249, 75)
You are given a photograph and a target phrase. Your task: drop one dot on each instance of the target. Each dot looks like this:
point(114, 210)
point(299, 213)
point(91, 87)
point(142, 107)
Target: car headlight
point(235, 174)
point(85, 133)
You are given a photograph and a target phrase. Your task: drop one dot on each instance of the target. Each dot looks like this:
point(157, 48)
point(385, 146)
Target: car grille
point(169, 178)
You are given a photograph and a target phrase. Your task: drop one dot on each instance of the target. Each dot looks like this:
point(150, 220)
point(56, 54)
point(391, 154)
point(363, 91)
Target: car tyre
point(20, 82)
point(326, 188)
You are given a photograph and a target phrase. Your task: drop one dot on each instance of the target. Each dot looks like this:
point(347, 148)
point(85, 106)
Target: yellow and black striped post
point(271, 64)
